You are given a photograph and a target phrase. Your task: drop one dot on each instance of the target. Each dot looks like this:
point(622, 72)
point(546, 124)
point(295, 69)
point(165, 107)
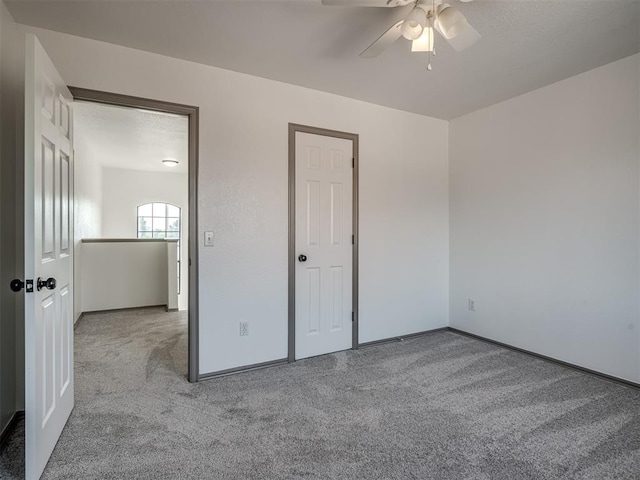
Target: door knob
point(302, 258)
point(49, 283)
point(16, 285)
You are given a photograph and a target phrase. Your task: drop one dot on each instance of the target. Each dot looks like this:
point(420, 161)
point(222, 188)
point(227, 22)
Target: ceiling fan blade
point(383, 41)
point(466, 38)
point(366, 3)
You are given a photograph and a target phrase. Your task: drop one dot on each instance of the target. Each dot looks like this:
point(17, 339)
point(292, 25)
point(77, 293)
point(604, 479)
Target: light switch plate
point(208, 239)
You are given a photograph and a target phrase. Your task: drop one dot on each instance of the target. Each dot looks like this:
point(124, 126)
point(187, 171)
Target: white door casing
point(49, 386)
point(323, 233)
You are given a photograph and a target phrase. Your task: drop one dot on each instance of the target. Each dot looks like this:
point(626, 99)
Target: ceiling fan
point(419, 25)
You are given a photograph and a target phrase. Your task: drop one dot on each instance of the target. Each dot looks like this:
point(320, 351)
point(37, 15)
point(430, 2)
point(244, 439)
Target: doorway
point(48, 281)
point(323, 241)
point(161, 217)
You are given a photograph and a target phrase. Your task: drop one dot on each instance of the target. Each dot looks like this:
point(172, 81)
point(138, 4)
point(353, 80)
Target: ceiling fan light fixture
point(450, 21)
point(423, 18)
point(413, 25)
point(424, 43)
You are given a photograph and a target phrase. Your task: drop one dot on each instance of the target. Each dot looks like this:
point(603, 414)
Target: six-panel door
point(324, 228)
point(48, 255)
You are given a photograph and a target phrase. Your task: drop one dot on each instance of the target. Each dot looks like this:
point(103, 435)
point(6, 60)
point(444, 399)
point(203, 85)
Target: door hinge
point(353, 239)
point(353, 316)
point(353, 162)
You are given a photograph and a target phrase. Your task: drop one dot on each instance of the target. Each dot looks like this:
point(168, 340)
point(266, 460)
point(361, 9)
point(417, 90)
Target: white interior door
point(324, 228)
point(48, 255)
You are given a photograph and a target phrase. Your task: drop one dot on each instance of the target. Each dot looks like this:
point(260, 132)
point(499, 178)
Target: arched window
point(160, 220)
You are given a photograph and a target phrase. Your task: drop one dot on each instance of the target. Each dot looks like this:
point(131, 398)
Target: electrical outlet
point(472, 305)
point(244, 329)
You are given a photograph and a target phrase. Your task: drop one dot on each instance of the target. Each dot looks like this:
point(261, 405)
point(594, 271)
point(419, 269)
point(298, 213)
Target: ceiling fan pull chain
point(433, 41)
point(433, 50)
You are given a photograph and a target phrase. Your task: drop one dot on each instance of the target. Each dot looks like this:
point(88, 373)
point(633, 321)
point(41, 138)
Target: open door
point(48, 257)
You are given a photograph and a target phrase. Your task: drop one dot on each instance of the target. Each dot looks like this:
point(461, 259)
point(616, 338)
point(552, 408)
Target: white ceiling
point(526, 44)
point(132, 139)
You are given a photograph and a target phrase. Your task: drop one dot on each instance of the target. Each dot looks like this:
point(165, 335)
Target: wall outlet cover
point(244, 329)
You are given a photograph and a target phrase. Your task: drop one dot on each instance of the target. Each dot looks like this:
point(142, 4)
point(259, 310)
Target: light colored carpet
point(439, 406)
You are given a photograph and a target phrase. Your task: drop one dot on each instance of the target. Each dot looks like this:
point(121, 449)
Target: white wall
point(88, 207)
point(545, 220)
point(544, 203)
point(243, 196)
point(124, 274)
point(124, 190)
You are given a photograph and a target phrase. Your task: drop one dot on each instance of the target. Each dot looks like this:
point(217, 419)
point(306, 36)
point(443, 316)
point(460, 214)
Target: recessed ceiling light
point(168, 162)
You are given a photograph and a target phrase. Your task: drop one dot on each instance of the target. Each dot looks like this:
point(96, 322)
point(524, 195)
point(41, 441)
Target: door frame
point(293, 128)
point(193, 114)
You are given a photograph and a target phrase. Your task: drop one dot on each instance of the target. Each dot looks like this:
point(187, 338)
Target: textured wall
point(545, 220)
point(243, 196)
point(133, 273)
point(88, 207)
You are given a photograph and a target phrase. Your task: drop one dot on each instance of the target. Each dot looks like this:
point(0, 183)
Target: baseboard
point(84, 314)
point(549, 359)
point(247, 368)
point(109, 310)
point(257, 366)
point(402, 337)
point(10, 427)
